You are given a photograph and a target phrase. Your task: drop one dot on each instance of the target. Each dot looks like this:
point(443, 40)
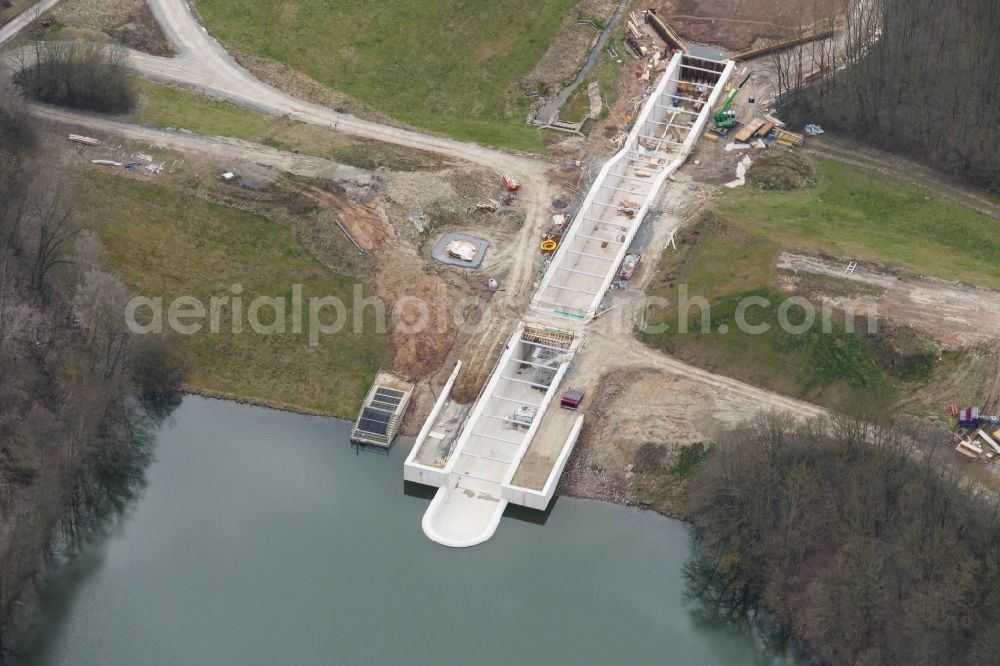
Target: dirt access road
point(221, 149)
point(900, 168)
point(22, 20)
point(204, 65)
point(955, 315)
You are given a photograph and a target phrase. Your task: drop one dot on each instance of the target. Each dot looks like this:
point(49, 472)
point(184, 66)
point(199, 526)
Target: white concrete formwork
point(469, 503)
point(476, 482)
point(583, 267)
point(539, 498)
point(413, 470)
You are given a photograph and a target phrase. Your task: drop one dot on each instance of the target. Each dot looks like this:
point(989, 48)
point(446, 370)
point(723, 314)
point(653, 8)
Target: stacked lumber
point(748, 130)
point(786, 138)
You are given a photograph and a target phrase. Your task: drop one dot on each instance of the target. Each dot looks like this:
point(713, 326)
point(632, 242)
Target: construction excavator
point(725, 119)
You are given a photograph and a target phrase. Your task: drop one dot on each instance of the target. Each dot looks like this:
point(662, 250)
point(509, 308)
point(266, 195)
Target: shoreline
point(572, 488)
point(259, 402)
point(26, 619)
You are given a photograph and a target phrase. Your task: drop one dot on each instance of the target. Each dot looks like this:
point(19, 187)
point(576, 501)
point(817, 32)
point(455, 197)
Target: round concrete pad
point(441, 254)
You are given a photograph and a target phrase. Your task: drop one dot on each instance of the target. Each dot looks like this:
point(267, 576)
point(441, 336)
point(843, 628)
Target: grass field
point(166, 244)
point(442, 65)
point(726, 266)
point(731, 254)
point(854, 214)
point(166, 106)
point(607, 71)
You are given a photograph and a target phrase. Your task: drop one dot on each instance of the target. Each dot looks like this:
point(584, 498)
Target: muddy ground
point(738, 24)
point(640, 401)
point(640, 406)
point(396, 220)
point(955, 315)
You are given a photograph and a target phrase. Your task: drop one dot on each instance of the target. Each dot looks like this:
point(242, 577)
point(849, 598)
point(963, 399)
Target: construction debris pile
point(646, 34)
point(650, 39)
point(553, 235)
point(508, 196)
point(971, 440)
point(120, 158)
point(488, 206)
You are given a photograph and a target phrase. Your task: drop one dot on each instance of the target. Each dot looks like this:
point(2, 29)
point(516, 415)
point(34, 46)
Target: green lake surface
point(263, 538)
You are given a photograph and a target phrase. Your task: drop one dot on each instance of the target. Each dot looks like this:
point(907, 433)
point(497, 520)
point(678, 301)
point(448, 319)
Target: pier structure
point(382, 412)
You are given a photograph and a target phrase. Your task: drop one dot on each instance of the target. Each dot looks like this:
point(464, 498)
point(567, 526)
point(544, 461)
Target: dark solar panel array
point(374, 421)
point(387, 399)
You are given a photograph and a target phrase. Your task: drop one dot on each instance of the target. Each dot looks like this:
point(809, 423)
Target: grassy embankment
point(731, 253)
point(168, 244)
point(166, 106)
point(607, 71)
point(441, 65)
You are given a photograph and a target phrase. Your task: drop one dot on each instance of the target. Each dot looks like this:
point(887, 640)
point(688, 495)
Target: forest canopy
point(918, 78)
point(856, 535)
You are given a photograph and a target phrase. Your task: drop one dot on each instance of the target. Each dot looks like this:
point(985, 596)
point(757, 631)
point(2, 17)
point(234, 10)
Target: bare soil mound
point(737, 24)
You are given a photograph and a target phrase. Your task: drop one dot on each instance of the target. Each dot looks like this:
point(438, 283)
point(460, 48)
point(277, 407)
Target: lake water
point(262, 538)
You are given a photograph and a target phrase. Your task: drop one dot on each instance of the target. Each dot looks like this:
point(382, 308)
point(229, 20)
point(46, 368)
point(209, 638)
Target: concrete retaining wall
point(414, 471)
point(611, 175)
point(535, 499)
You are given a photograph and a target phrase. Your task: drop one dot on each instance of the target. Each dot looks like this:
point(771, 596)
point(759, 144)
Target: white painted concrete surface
point(662, 138)
point(425, 474)
point(467, 508)
point(475, 484)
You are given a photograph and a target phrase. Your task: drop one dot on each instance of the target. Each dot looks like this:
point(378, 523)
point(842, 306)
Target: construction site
point(725, 109)
point(553, 255)
point(404, 287)
point(512, 446)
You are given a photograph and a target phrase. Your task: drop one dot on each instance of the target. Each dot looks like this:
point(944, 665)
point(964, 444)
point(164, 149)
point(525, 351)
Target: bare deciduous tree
point(871, 554)
point(915, 77)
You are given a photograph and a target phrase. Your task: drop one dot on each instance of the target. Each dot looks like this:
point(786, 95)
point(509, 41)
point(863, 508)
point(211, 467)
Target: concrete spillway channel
point(627, 186)
point(478, 466)
point(513, 444)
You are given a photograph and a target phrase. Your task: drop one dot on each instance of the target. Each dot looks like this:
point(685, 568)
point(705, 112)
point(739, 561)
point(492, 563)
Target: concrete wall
point(484, 395)
point(535, 499)
point(536, 424)
point(611, 174)
point(414, 471)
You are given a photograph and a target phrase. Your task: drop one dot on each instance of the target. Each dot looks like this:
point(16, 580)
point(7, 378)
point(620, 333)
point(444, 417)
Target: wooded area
point(77, 74)
point(855, 536)
point(917, 77)
point(78, 391)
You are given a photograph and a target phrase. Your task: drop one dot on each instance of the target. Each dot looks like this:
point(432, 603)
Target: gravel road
point(204, 65)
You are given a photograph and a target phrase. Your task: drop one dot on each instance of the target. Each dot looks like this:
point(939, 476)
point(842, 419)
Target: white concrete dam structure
point(475, 470)
point(663, 136)
point(512, 445)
